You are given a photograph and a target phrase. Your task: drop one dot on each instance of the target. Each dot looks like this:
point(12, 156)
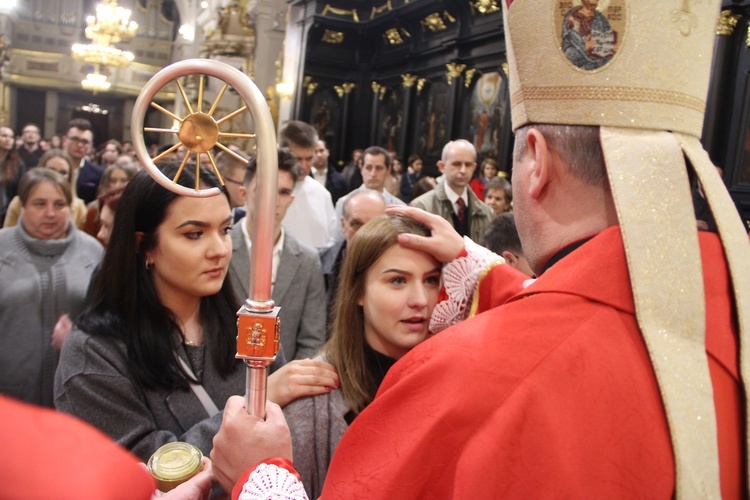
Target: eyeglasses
point(80, 140)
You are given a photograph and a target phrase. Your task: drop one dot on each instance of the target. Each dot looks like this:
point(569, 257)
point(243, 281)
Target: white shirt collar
point(277, 249)
point(454, 197)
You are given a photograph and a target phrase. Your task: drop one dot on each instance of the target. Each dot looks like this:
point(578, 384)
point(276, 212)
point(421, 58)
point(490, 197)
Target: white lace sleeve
point(460, 278)
point(270, 482)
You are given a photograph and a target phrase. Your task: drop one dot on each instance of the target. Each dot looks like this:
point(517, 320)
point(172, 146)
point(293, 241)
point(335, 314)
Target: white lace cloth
point(270, 482)
point(460, 278)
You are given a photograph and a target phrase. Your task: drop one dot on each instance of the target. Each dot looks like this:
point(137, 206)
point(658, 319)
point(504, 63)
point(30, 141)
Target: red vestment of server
point(551, 395)
point(47, 454)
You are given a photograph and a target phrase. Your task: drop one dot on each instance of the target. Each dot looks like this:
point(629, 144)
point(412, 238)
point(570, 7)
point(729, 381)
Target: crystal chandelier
point(93, 53)
point(95, 82)
point(110, 25)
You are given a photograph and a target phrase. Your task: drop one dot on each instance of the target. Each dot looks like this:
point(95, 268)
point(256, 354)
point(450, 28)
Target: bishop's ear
point(541, 157)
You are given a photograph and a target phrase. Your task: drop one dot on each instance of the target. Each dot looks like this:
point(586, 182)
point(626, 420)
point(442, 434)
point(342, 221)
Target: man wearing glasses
point(76, 142)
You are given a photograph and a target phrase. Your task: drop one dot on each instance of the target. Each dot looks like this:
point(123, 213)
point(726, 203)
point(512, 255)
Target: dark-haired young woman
point(152, 358)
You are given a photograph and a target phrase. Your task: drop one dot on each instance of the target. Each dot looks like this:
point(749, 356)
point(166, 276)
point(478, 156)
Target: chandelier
point(95, 82)
point(106, 55)
point(109, 26)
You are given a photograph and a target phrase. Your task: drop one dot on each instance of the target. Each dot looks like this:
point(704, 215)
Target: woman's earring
point(149, 265)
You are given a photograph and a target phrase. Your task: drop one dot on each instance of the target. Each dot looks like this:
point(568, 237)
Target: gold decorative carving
point(341, 12)
point(727, 22)
point(434, 22)
point(234, 34)
point(339, 91)
point(334, 37)
point(348, 87)
point(454, 71)
point(420, 85)
point(485, 7)
point(379, 10)
point(379, 90)
point(393, 37)
point(448, 17)
point(747, 39)
point(408, 80)
point(469, 76)
point(505, 68)
point(309, 85)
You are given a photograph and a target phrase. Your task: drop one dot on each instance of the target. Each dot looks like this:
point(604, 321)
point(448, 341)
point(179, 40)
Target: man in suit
point(452, 199)
point(333, 181)
point(296, 278)
point(375, 168)
point(76, 142)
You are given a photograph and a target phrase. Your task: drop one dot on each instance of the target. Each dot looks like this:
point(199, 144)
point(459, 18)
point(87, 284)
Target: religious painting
point(485, 114)
point(392, 119)
point(432, 126)
point(325, 116)
point(590, 31)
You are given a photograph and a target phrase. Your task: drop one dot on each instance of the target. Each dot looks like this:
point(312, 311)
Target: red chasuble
point(551, 395)
point(52, 455)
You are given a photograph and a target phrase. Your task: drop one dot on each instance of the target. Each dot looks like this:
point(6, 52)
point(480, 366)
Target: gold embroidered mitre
point(637, 64)
point(639, 69)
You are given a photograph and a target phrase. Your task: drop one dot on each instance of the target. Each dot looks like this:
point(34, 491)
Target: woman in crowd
point(152, 358)
point(114, 176)
point(108, 206)
point(393, 179)
point(109, 153)
point(11, 169)
point(487, 170)
point(384, 303)
point(411, 176)
point(59, 161)
point(45, 268)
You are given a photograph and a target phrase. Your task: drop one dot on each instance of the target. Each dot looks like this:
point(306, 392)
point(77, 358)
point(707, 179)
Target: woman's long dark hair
point(10, 168)
point(123, 302)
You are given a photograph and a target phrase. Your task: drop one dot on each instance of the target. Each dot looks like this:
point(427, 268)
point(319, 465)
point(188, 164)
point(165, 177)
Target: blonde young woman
point(114, 178)
point(383, 309)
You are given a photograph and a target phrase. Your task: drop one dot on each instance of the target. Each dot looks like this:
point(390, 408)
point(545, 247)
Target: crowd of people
point(476, 337)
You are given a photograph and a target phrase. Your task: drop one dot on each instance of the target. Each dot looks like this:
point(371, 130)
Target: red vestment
point(47, 454)
point(551, 395)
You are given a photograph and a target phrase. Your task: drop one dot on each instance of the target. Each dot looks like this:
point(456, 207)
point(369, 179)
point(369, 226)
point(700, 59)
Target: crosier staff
point(199, 132)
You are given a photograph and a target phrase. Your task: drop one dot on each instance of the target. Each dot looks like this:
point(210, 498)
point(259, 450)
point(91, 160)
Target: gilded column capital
point(408, 81)
point(727, 22)
point(454, 71)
